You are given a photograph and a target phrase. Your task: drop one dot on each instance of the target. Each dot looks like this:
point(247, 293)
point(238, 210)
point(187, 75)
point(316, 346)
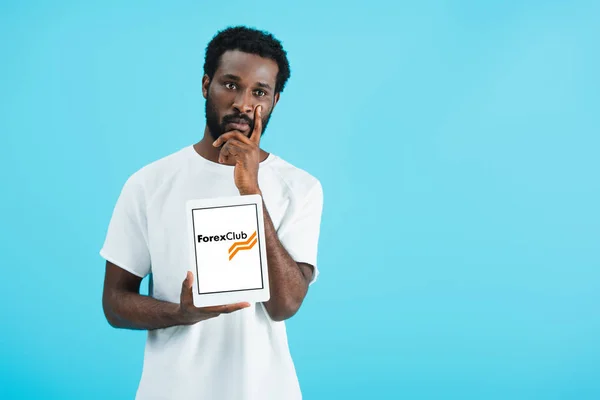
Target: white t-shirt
point(243, 355)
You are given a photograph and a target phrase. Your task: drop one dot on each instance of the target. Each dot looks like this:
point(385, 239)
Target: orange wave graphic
point(246, 245)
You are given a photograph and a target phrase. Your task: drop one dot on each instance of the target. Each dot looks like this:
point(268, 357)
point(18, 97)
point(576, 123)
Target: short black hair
point(248, 40)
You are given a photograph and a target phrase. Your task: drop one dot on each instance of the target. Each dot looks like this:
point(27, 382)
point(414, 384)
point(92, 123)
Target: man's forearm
point(129, 310)
point(287, 282)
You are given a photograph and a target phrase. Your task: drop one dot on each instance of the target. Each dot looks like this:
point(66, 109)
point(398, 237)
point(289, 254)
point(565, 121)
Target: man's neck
point(205, 148)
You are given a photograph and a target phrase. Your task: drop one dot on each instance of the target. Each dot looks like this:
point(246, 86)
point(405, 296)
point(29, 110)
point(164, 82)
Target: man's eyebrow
point(264, 85)
point(232, 77)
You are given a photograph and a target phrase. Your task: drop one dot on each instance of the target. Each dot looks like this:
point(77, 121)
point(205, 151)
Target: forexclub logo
point(236, 246)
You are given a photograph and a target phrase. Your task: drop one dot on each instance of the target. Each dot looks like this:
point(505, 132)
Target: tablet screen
point(227, 251)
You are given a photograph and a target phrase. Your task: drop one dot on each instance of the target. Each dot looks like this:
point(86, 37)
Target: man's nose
point(243, 102)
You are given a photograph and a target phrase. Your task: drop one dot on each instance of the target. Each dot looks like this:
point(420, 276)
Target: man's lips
point(238, 126)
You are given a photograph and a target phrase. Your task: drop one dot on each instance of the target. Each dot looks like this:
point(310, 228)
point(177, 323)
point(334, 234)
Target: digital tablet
point(228, 250)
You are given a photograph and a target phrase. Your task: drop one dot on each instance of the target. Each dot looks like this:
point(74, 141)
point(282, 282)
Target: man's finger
point(229, 135)
point(225, 153)
point(234, 307)
point(186, 288)
point(225, 309)
point(234, 147)
point(257, 132)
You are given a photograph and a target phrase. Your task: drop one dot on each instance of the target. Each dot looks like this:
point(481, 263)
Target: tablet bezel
point(243, 295)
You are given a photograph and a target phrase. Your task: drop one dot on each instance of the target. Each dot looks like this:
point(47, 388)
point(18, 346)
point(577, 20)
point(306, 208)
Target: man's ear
point(205, 84)
point(275, 99)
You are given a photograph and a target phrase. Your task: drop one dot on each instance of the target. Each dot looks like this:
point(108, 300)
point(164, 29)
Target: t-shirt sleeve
point(301, 235)
point(126, 242)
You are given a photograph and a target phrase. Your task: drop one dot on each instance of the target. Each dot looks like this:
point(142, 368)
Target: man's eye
point(261, 93)
point(230, 85)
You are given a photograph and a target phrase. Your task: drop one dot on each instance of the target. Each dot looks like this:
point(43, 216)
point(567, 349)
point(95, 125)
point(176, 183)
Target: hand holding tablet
point(227, 250)
point(191, 314)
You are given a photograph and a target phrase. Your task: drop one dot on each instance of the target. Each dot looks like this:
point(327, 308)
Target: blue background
point(458, 147)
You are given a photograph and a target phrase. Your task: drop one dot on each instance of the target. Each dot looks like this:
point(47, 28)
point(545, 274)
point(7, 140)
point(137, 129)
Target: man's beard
point(217, 128)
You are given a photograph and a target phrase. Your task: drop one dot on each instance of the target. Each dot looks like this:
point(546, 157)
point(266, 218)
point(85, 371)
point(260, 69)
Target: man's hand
point(244, 153)
point(191, 314)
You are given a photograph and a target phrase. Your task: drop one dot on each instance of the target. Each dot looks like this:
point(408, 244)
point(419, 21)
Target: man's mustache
point(238, 118)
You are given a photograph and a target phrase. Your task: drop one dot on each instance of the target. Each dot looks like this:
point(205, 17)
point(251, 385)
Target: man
point(235, 351)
